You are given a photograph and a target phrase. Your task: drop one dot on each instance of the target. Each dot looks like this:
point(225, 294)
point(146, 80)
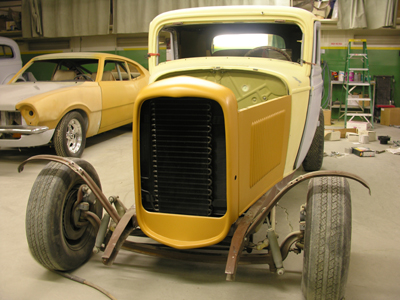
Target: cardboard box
point(344, 131)
point(363, 152)
point(327, 117)
point(365, 103)
point(10, 25)
point(390, 116)
point(363, 139)
point(331, 135)
point(359, 125)
point(371, 134)
point(352, 137)
point(352, 100)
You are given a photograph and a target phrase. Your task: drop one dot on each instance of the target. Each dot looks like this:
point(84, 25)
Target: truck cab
point(10, 59)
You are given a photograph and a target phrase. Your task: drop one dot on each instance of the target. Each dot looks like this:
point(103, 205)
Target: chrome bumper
point(19, 136)
point(24, 130)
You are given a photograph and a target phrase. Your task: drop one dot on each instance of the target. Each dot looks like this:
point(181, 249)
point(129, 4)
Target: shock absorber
point(101, 233)
point(275, 250)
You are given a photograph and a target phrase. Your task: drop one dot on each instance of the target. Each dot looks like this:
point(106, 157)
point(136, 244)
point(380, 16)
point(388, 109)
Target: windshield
point(61, 69)
point(246, 41)
point(267, 40)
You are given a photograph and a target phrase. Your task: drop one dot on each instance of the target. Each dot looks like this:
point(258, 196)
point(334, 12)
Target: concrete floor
point(374, 268)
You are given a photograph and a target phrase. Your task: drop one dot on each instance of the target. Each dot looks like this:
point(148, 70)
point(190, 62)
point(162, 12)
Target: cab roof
point(234, 13)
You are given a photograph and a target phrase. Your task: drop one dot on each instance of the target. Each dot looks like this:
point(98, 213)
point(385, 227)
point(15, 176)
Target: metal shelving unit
point(356, 106)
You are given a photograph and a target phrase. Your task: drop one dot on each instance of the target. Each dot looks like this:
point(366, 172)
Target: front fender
point(49, 108)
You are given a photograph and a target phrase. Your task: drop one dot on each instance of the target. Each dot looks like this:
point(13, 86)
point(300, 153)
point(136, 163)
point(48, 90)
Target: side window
point(41, 71)
point(115, 70)
point(6, 52)
point(167, 46)
point(134, 71)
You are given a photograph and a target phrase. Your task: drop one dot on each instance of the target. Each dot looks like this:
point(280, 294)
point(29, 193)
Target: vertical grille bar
point(182, 147)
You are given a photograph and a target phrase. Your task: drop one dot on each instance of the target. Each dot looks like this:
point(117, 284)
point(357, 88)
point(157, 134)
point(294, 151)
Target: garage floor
point(374, 267)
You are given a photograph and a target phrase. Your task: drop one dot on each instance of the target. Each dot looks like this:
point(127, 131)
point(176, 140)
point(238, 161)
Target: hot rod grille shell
point(182, 156)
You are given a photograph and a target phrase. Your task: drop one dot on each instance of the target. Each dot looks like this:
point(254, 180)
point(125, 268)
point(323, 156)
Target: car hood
point(295, 75)
point(11, 94)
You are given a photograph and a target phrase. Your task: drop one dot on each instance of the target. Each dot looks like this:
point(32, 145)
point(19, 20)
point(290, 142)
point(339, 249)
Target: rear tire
point(315, 155)
point(70, 135)
point(54, 239)
point(327, 238)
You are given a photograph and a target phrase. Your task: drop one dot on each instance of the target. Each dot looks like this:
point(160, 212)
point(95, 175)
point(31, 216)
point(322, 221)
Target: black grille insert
point(182, 156)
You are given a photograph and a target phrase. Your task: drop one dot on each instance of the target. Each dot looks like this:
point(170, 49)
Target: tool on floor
point(384, 139)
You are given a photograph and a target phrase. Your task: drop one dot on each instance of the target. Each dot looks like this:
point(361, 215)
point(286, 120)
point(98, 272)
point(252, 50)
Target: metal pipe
point(91, 215)
point(92, 220)
point(273, 217)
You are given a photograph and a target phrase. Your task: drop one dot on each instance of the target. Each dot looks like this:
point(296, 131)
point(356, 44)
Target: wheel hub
point(72, 231)
point(74, 136)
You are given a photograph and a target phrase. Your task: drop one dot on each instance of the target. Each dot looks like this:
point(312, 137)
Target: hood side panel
point(11, 94)
point(250, 88)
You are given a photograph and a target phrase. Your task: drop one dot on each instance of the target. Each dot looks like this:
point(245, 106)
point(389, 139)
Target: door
point(120, 84)
point(314, 103)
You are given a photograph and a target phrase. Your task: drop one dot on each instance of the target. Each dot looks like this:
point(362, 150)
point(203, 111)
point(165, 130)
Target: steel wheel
point(58, 238)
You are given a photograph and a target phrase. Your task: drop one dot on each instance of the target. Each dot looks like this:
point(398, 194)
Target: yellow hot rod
point(228, 117)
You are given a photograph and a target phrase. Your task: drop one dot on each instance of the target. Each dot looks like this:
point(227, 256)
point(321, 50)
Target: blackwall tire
point(315, 155)
point(70, 135)
point(53, 239)
point(327, 239)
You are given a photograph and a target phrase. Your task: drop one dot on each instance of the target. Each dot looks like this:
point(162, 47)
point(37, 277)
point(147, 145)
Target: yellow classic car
point(61, 99)
point(218, 133)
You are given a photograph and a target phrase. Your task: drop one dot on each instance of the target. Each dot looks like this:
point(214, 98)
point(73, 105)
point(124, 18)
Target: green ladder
point(359, 109)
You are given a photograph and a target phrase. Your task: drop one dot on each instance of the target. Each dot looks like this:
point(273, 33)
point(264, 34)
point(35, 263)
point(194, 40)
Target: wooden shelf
point(11, 33)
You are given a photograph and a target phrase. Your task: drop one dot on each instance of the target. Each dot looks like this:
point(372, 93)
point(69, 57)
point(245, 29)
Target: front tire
point(54, 238)
point(70, 135)
point(327, 239)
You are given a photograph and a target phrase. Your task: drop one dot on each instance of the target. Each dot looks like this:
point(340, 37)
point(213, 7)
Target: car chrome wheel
point(70, 135)
point(74, 136)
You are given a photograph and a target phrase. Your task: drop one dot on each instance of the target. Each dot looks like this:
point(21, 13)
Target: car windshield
point(268, 40)
point(61, 70)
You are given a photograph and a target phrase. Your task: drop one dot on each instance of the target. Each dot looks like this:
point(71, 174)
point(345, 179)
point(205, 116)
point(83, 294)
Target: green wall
point(382, 62)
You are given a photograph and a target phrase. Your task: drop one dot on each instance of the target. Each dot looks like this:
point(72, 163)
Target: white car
point(10, 59)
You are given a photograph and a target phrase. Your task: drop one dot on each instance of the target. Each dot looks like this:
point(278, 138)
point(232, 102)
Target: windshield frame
point(179, 42)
